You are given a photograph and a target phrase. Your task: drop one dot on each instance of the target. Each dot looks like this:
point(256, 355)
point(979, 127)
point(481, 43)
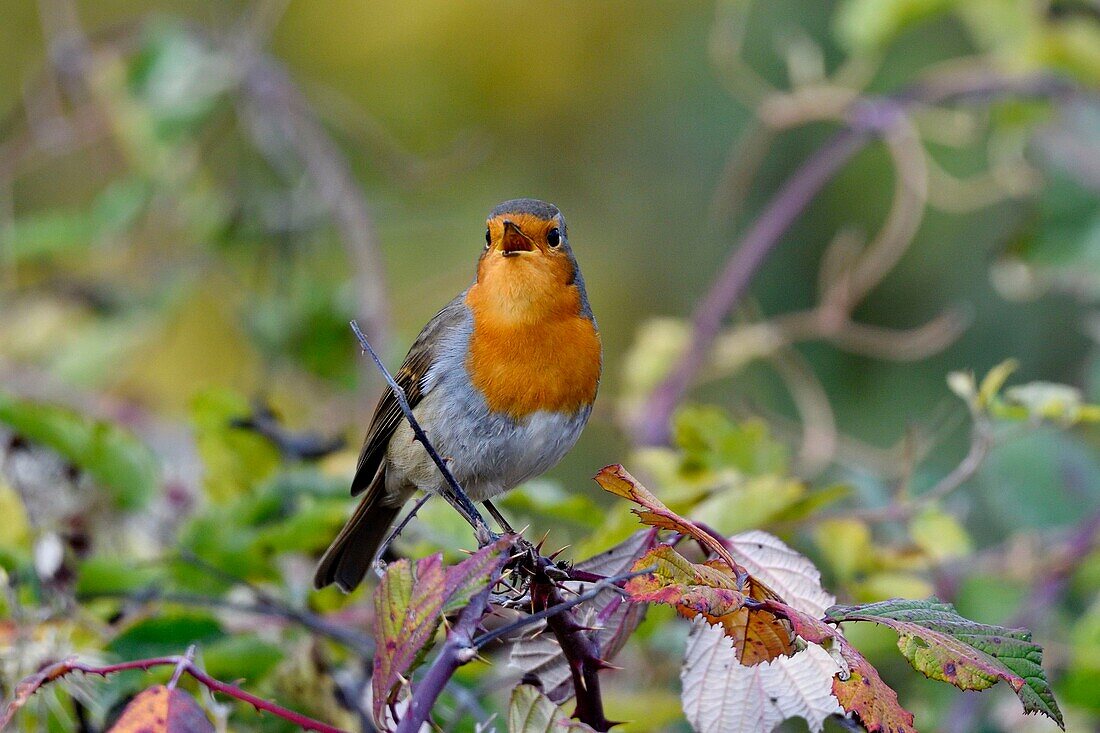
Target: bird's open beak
point(514, 240)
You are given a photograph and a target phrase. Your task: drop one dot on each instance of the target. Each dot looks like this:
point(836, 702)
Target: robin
point(502, 380)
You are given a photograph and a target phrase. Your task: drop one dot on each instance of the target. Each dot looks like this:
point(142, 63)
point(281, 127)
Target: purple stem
point(29, 686)
point(796, 194)
point(868, 118)
point(581, 652)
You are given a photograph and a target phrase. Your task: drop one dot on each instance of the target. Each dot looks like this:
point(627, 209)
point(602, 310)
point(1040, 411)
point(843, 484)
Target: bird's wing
point(387, 415)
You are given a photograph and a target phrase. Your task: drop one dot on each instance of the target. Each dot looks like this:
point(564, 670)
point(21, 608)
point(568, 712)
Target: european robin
point(502, 380)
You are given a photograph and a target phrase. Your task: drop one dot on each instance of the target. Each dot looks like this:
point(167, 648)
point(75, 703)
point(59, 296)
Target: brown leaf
point(618, 481)
point(710, 590)
point(163, 710)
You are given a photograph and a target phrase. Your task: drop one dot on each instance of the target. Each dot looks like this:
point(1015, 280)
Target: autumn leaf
point(162, 709)
point(618, 481)
point(944, 646)
point(857, 686)
point(715, 590)
point(721, 695)
point(710, 590)
point(409, 603)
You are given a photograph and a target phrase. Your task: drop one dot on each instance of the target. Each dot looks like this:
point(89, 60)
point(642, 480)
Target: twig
point(738, 272)
point(602, 585)
point(346, 636)
point(277, 105)
point(188, 658)
point(379, 565)
point(867, 120)
point(296, 446)
point(30, 685)
point(452, 491)
point(981, 442)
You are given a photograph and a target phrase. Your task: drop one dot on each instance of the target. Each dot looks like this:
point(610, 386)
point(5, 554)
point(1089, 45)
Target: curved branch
point(868, 119)
point(30, 685)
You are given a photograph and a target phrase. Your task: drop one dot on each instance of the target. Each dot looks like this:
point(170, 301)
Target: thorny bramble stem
point(54, 672)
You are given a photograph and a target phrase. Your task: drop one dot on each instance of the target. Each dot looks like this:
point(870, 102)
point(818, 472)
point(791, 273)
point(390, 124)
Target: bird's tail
point(350, 555)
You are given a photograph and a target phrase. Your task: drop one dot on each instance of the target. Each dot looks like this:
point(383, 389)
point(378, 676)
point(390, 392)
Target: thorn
point(554, 555)
point(604, 664)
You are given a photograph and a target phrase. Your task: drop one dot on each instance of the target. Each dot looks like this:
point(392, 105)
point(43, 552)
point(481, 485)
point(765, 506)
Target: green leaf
point(408, 606)
point(236, 460)
point(943, 645)
point(307, 530)
point(116, 459)
point(15, 532)
point(530, 711)
point(865, 26)
point(749, 504)
point(240, 657)
point(166, 634)
point(49, 233)
point(100, 575)
point(811, 503)
point(219, 541)
point(940, 535)
point(709, 440)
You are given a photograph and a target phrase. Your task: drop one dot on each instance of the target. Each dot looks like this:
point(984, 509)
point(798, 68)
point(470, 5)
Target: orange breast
point(548, 361)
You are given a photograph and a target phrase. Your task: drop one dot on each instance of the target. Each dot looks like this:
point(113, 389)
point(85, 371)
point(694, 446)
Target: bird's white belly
point(487, 452)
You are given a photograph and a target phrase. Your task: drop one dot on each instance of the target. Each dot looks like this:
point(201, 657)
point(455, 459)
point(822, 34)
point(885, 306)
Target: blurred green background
point(168, 254)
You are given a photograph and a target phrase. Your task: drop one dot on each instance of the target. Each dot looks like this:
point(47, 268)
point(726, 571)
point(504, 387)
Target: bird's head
point(527, 262)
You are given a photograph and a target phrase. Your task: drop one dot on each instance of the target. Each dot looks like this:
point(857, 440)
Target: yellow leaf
point(939, 535)
point(885, 585)
point(846, 546)
point(163, 710)
point(15, 529)
point(994, 380)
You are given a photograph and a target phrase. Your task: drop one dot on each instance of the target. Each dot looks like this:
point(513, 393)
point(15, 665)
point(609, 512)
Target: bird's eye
point(488, 238)
point(553, 237)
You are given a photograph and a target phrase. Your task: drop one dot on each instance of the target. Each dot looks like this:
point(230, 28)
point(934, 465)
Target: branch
point(30, 685)
point(277, 106)
point(595, 590)
point(867, 120)
point(981, 442)
point(453, 491)
point(344, 635)
point(581, 652)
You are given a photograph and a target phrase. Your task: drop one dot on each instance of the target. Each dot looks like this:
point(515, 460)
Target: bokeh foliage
point(168, 261)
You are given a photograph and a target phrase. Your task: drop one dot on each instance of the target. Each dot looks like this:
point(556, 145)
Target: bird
point(502, 380)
